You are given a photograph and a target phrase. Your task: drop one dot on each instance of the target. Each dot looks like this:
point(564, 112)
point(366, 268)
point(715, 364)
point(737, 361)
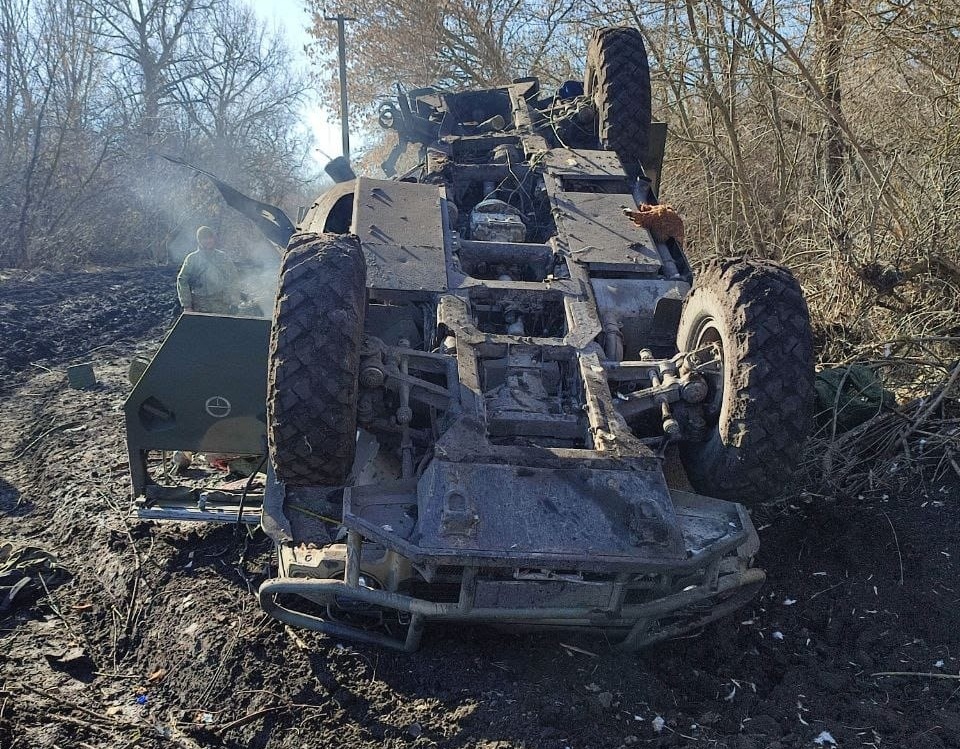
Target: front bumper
point(647, 602)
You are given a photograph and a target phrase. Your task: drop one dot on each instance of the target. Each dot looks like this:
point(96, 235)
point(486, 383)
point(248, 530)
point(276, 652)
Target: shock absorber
point(671, 427)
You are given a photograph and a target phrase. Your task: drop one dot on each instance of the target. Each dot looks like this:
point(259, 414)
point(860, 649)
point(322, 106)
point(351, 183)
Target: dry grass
point(912, 447)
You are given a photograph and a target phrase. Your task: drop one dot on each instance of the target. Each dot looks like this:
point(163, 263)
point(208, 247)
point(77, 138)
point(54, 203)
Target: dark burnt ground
point(165, 617)
point(50, 319)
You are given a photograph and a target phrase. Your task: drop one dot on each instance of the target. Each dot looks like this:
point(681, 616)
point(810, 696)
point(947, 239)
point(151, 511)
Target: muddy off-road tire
point(618, 80)
point(315, 359)
point(760, 411)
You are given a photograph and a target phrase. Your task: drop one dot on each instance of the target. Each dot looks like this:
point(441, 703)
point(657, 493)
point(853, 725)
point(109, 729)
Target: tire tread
point(769, 397)
point(315, 359)
point(617, 65)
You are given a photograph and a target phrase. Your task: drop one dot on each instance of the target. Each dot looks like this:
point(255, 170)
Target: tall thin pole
point(342, 54)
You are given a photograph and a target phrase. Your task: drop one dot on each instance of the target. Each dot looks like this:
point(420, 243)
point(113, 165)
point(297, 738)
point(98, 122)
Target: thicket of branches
point(824, 134)
point(94, 90)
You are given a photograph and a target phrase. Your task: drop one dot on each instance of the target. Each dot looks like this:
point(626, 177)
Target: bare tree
point(831, 18)
point(51, 77)
point(241, 94)
point(91, 91)
point(151, 40)
point(445, 43)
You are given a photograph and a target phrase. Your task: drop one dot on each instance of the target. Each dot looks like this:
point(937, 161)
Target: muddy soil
point(70, 317)
point(154, 637)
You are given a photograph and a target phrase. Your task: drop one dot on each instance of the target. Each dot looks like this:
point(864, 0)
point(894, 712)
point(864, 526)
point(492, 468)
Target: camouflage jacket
point(208, 282)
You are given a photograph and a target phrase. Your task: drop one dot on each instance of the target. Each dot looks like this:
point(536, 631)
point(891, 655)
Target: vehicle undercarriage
point(494, 393)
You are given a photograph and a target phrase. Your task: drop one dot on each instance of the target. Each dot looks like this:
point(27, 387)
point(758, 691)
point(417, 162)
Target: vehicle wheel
point(315, 359)
point(618, 80)
point(759, 410)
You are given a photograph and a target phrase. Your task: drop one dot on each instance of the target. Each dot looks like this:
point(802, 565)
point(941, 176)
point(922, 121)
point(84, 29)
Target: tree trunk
point(830, 18)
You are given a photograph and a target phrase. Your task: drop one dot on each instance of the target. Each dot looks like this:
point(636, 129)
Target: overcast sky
point(290, 16)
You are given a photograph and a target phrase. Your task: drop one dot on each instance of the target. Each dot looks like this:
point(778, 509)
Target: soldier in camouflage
point(208, 280)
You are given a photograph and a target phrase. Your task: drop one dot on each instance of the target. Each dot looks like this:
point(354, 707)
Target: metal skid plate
point(514, 511)
point(594, 165)
point(401, 232)
point(514, 516)
point(599, 235)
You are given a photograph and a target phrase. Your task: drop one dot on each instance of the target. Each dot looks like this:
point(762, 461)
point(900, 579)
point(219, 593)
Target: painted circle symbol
point(218, 406)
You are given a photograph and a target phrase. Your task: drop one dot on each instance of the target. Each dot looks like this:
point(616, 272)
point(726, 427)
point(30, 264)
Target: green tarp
point(854, 393)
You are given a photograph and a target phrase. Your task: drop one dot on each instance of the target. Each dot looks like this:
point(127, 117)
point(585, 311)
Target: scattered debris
point(575, 649)
point(824, 739)
point(28, 568)
point(297, 640)
point(65, 656)
point(658, 723)
point(917, 673)
point(849, 396)
point(73, 661)
point(81, 376)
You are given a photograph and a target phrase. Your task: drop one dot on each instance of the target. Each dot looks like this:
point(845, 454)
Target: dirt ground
point(152, 637)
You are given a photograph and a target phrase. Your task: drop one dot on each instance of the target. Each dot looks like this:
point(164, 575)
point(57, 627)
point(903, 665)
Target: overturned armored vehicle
point(495, 392)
